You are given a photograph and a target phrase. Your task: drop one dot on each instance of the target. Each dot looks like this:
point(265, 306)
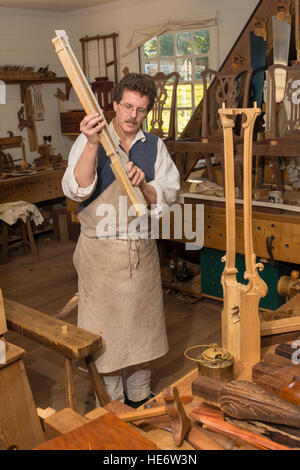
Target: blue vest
point(142, 153)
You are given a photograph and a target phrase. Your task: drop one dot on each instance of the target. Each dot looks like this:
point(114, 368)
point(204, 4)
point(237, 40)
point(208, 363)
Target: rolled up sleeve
point(70, 186)
point(166, 181)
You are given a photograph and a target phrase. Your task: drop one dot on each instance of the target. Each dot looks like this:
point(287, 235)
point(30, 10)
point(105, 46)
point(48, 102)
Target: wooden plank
point(19, 422)
point(213, 419)
point(282, 325)
point(287, 350)
point(62, 422)
point(107, 432)
point(76, 343)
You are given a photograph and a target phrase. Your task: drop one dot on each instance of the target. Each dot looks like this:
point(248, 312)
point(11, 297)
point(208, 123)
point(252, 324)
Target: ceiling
point(59, 6)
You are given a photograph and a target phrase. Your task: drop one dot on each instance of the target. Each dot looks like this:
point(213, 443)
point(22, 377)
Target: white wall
point(25, 39)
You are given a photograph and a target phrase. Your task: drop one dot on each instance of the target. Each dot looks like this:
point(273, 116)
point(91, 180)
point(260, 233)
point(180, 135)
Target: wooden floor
point(51, 287)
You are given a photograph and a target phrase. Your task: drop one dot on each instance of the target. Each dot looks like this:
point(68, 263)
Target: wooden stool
point(73, 342)
point(27, 239)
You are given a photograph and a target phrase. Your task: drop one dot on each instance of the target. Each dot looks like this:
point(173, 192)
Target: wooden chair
point(155, 123)
point(232, 89)
point(282, 123)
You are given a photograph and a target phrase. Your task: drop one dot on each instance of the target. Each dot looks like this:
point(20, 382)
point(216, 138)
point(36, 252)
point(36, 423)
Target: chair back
point(229, 88)
point(166, 87)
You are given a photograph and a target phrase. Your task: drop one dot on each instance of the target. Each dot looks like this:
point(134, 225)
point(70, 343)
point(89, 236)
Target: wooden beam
point(76, 344)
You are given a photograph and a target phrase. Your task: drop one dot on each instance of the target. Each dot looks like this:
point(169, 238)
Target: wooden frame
point(240, 316)
point(84, 43)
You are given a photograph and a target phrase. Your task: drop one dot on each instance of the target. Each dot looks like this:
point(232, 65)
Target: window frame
point(213, 62)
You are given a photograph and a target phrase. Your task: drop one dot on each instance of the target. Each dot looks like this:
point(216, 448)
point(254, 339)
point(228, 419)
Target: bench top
point(69, 340)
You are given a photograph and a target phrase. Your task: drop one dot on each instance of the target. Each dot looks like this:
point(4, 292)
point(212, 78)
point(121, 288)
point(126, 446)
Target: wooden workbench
point(278, 220)
point(41, 186)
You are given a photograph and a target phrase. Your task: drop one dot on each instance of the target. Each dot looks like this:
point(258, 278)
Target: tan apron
point(120, 293)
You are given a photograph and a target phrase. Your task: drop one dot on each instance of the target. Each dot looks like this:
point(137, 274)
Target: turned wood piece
point(247, 401)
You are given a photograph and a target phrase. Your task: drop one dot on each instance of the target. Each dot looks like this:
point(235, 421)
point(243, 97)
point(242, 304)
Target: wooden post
point(97, 380)
point(256, 287)
point(32, 241)
point(231, 288)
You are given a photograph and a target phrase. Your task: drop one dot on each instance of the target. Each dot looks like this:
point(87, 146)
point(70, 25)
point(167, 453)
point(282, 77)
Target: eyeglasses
point(128, 108)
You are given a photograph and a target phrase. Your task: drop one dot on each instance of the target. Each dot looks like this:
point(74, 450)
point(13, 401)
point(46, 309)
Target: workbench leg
point(69, 381)
point(24, 236)
point(4, 248)
point(97, 381)
point(32, 241)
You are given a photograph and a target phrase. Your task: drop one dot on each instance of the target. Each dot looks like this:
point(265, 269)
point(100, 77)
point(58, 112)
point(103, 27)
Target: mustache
point(131, 121)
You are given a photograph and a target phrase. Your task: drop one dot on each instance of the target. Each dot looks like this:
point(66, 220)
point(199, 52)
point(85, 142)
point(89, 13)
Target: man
point(120, 294)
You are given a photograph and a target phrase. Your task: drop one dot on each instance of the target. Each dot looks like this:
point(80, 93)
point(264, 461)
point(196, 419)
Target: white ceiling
point(60, 6)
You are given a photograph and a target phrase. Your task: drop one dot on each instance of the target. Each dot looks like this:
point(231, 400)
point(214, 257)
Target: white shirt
point(166, 181)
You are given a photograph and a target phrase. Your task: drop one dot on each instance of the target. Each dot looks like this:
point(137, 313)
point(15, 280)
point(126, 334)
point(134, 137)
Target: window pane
point(183, 117)
point(184, 96)
point(198, 93)
point(166, 44)
point(184, 67)
point(201, 63)
point(167, 66)
point(151, 68)
point(147, 122)
point(150, 48)
point(166, 121)
point(184, 43)
point(201, 41)
point(169, 89)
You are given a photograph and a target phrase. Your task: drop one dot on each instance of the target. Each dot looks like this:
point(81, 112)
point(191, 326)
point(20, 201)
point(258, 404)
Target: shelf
point(28, 81)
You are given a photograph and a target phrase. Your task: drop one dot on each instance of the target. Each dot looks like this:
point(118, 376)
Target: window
point(187, 52)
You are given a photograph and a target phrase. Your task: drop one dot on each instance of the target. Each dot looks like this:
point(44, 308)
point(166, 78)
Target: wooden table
point(41, 186)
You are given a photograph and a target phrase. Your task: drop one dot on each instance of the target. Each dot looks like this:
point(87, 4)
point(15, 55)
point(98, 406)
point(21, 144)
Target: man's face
point(131, 111)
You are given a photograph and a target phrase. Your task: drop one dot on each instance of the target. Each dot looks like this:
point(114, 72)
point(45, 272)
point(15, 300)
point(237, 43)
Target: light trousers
point(134, 381)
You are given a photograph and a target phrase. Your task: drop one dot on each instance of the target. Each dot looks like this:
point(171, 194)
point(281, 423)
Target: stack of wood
point(255, 412)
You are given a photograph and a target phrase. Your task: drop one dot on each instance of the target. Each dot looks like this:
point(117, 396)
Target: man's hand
point(136, 175)
point(137, 178)
point(90, 126)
